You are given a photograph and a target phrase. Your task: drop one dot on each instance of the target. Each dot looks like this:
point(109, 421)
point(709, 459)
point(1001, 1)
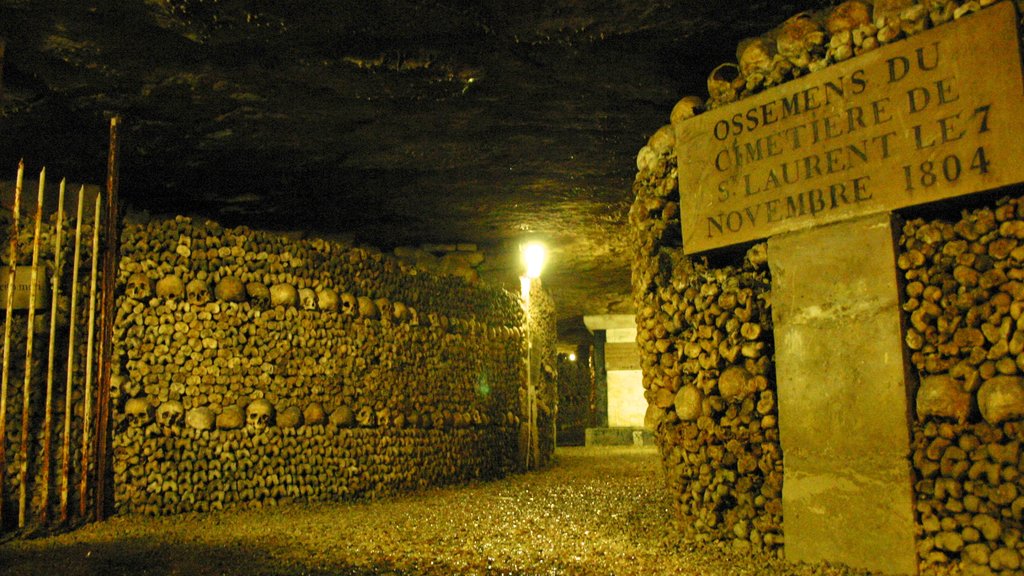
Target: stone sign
point(934, 116)
point(22, 285)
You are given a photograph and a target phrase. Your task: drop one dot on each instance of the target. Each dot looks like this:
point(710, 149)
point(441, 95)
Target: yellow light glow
point(534, 256)
point(572, 357)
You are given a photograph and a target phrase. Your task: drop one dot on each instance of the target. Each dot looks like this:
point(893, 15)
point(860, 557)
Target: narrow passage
point(598, 511)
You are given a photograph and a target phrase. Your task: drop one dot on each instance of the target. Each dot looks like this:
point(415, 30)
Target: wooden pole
point(83, 490)
point(12, 269)
point(44, 506)
point(109, 276)
point(66, 451)
point(30, 337)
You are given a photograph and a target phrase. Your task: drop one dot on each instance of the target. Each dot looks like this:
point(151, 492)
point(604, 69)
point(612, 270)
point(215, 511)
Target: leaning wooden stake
point(83, 490)
point(66, 450)
point(105, 352)
point(11, 270)
point(44, 504)
point(30, 336)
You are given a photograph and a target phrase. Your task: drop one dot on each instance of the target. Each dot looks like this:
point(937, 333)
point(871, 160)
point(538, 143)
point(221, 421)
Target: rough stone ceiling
point(390, 121)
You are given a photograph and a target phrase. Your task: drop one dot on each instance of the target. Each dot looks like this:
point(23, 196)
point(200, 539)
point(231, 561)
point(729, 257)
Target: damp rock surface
point(597, 511)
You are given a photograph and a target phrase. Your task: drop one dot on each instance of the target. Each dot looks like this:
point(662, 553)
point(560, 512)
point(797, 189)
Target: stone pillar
point(842, 392)
point(600, 381)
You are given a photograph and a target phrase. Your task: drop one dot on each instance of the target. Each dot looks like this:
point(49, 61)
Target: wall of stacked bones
point(258, 369)
point(705, 334)
point(254, 369)
point(575, 396)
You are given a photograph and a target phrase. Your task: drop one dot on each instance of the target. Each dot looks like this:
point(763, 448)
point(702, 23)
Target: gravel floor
point(598, 511)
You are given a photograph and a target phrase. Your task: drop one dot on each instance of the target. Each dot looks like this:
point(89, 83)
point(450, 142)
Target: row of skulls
point(258, 415)
point(810, 41)
point(231, 289)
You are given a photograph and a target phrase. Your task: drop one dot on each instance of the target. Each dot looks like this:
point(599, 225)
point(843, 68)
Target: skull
point(290, 417)
point(663, 140)
point(137, 412)
point(283, 295)
point(724, 81)
point(914, 19)
point(686, 108)
point(366, 417)
point(383, 417)
point(117, 382)
point(259, 414)
point(798, 38)
point(170, 286)
point(343, 417)
point(349, 305)
point(755, 56)
point(258, 293)
point(848, 16)
point(384, 308)
point(327, 300)
point(400, 311)
point(230, 289)
point(367, 308)
point(232, 418)
point(169, 416)
point(198, 292)
point(414, 316)
point(314, 414)
point(889, 10)
point(138, 286)
point(201, 418)
point(307, 297)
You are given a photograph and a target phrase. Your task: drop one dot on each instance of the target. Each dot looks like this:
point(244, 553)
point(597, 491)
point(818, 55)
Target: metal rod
point(30, 337)
point(109, 278)
point(66, 451)
point(83, 490)
point(12, 269)
point(44, 505)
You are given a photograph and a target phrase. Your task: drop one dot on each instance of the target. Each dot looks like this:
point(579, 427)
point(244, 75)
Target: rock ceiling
point(391, 122)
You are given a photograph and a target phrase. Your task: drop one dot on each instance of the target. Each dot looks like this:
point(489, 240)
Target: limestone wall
point(258, 369)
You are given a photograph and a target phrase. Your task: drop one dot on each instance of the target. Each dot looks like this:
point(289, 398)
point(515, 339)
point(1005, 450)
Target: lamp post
point(534, 255)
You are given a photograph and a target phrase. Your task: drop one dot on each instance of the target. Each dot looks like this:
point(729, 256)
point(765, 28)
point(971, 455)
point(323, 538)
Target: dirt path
point(598, 512)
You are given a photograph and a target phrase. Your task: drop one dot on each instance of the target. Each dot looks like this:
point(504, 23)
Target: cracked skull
point(307, 297)
point(138, 286)
point(259, 414)
point(198, 292)
point(349, 305)
point(170, 415)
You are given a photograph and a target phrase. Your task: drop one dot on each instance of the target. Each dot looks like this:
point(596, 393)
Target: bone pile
point(964, 298)
point(705, 344)
point(810, 41)
point(544, 331)
point(259, 369)
point(575, 394)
